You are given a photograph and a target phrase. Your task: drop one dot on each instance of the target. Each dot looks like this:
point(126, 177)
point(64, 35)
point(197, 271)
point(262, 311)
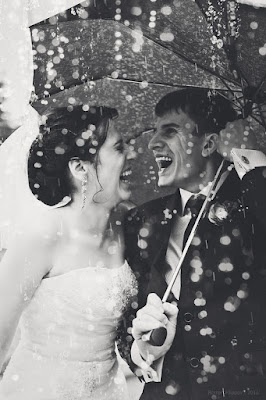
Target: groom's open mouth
point(163, 162)
point(124, 177)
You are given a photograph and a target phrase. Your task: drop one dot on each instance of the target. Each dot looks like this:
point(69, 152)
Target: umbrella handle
point(156, 337)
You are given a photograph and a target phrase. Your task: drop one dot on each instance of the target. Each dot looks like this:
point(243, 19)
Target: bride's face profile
point(112, 170)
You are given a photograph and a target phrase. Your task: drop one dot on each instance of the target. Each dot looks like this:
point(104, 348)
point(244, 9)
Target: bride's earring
point(84, 191)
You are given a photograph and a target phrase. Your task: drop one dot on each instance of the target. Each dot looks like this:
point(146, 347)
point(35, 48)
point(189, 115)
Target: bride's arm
point(22, 268)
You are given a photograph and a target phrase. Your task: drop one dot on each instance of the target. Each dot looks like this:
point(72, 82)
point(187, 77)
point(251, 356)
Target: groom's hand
point(153, 315)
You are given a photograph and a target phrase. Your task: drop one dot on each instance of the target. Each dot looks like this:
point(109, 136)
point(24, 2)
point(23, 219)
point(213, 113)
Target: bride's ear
point(78, 168)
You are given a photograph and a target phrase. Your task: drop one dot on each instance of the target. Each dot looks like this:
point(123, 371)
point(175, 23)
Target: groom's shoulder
point(148, 209)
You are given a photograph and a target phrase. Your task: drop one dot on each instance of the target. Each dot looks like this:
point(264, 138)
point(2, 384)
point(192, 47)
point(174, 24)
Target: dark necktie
point(193, 206)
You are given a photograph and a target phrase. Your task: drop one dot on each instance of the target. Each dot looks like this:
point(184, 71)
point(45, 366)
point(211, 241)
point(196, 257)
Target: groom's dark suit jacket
point(219, 349)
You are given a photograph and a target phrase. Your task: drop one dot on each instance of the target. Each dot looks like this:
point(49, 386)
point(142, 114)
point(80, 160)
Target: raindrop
point(241, 294)
point(166, 10)
point(167, 37)
point(213, 369)
point(196, 241)
point(142, 244)
point(195, 277)
point(137, 11)
point(225, 240)
point(37, 165)
point(56, 60)
point(143, 84)
point(172, 389)
point(55, 42)
point(136, 48)
point(72, 100)
point(59, 150)
point(254, 25)
point(85, 107)
point(114, 74)
point(144, 232)
point(75, 75)
point(202, 314)
point(235, 232)
point(41, 48)
point(85, 135)
point(246, 275)
point(262, 51)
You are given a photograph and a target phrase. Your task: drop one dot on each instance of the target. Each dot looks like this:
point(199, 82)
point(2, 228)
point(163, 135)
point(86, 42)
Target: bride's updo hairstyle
point(76, 132)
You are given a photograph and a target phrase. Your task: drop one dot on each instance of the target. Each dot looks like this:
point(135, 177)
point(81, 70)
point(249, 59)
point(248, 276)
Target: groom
point(216, 348)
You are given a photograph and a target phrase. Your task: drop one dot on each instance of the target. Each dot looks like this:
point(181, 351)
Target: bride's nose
point(130, 152)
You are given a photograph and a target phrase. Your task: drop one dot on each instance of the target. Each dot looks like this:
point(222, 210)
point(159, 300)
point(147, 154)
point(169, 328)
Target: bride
point(63, 279)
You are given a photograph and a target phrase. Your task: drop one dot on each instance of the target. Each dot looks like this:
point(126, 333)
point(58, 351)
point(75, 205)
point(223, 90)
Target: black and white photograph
point(133, 200)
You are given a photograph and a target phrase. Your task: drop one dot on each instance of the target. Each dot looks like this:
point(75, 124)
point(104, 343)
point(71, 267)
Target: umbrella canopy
point(209, 43)
point(127, 54)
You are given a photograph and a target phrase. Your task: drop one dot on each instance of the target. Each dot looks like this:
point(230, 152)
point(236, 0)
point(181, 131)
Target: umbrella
point(129, 53)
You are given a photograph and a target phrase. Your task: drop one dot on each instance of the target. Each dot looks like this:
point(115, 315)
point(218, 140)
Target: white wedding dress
point(68, 332)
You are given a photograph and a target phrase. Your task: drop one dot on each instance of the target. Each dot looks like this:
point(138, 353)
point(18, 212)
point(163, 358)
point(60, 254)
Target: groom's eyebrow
point(164, 127)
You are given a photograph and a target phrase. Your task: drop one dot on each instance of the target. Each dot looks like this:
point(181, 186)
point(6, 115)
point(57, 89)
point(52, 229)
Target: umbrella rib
point(183, 57)
point(151, 83)
point(138, 134)
point(231, 101)
point(262, 117)
point(201, 66)
point(232, 93)
point(260, 85)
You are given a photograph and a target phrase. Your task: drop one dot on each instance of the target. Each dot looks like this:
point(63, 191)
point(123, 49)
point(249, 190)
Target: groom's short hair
point(209, 109)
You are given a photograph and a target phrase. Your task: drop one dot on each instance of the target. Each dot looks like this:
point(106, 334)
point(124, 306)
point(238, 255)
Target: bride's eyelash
point(120, 147)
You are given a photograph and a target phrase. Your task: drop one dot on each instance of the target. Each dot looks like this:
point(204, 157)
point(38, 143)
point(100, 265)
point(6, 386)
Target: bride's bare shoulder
point(41, 223)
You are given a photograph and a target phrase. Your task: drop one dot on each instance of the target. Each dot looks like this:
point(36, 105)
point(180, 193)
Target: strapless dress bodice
point(68, 334)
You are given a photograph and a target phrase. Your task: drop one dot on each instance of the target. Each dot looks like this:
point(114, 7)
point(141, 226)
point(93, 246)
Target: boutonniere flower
point(220, 212)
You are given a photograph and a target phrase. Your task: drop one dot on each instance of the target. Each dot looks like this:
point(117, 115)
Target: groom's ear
point(78, 168)
point(209, 144)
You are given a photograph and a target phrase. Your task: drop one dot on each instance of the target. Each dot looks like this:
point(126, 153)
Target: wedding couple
point(70, 286)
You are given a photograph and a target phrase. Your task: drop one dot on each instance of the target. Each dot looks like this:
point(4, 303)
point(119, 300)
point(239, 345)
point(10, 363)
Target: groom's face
point(177, 150)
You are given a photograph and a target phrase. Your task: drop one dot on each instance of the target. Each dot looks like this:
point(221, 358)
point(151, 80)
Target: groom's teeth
point(163, 162)
point(163, 158)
